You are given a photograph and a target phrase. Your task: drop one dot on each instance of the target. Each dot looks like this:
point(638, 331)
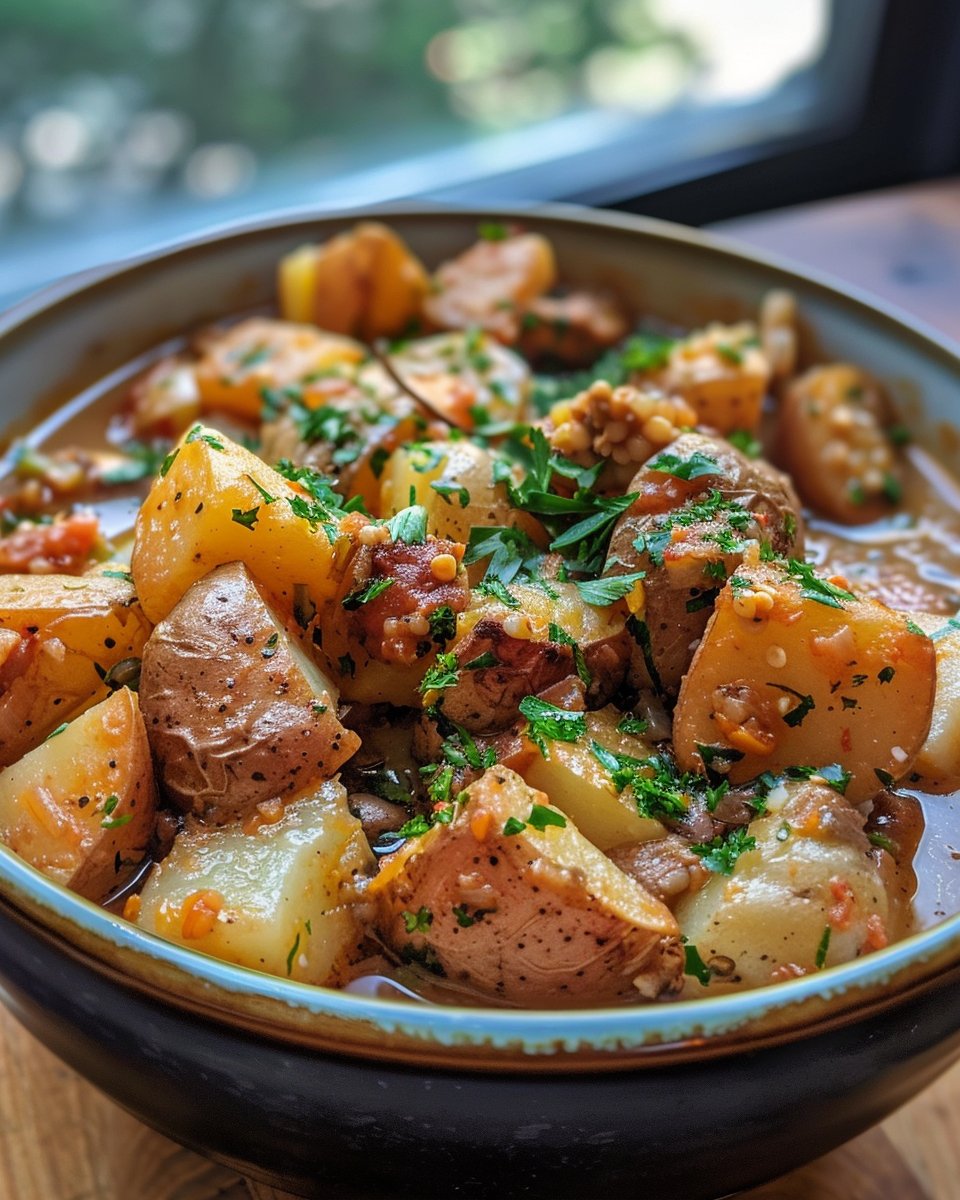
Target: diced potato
point(938, 763)
point(808, 896)
point(461, 375)
point(465, 495)
point(687, 536)
point(722, 373)
point(581, 787)
point(366, 282)
point(281, 898)
point(236, 713)
point(490, 284)
point(81, 806)
point(538, 916)
point(832, 440)
point(210, 509)
point(259, 353)
point(65, 639)
point(794, 670)
point(545, 635)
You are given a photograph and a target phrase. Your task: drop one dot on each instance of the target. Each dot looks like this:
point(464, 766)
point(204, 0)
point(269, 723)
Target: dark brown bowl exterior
point(327, 1096)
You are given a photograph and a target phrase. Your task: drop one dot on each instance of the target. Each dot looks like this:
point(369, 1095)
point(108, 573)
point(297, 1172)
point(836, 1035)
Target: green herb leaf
point(720, 854)
point(694, 467)
point(559, 635)
point(418, 922)
point(444, 673)
point(796, 715)
point(443, 625)
point(365, 594)
point(603, 592)
point(815, 588)
point(247, 519)
point(409, 525)
point(694, 965)
point(446, 490)
point(513, 827)
point(540, 817)
point(546, 722)
point(823, 949)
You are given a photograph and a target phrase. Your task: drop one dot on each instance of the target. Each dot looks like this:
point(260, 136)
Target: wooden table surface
point(61, 1140)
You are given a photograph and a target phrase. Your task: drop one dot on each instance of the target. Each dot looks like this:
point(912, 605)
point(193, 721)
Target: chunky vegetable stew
point(475, 635)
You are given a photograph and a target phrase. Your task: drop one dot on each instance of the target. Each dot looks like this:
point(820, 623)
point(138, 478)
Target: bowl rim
point(536, 1032)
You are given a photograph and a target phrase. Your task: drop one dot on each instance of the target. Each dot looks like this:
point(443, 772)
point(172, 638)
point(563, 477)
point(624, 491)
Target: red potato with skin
point(236, 713)
point(535, 917)
point(792, 673)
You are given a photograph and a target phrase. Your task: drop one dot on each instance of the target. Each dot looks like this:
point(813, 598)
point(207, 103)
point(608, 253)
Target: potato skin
point(679, 589)
point(534, 918)
point(235, 713)
point(81, 806)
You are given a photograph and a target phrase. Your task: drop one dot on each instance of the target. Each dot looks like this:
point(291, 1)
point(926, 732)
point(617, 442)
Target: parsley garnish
point(540, 817)
point(560, 636)
point(499, 590)
point(815, 588)
point(628, 723)
point(823, 948)
point(293, 953)
point(603, 592)
point(247, 519)
point(834, 775)
point(796, 715)
point(364, 595)
point(694, 965)
point(694, 467)
point(409, 525)
point(546, 722)
point(418, 922)
point(720, 854)
point(443, 674)
point(481, 662)
point(196, 434)
point(446, 490)
point(443, 625)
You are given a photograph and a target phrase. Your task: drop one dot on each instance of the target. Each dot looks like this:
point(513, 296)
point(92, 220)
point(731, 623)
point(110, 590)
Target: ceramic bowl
point(332, 1094)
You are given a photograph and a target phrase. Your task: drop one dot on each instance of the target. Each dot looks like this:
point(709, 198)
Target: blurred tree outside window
point(127, 122)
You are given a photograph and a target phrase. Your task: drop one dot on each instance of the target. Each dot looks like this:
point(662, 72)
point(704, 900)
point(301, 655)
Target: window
point(127, 122)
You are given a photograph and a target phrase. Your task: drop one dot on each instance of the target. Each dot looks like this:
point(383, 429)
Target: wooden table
point(61, 1140)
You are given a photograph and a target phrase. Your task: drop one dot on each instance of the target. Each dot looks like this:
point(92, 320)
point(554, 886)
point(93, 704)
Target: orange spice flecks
point(200, 911)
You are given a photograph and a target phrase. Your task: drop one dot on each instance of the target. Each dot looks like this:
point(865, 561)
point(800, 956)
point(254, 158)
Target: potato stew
point(472, 633)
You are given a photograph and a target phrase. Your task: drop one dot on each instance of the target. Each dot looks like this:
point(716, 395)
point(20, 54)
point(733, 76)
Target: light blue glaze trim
point(529, 1032)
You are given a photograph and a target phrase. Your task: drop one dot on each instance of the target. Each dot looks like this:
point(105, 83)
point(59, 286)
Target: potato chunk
point(490, 284)
point(81, 806)
point(219, 503)
point(701, 503)
point(580, 786)
point(721, 372)
point(831, 438)
point(468, 378)
point(259, 353)
point(236, 713)
point(809, 895)
point(938, 763)
point(64, 641)
point(454, 483)
point(281, 898)
point(512, 901)
point(796, 670)
point(365, 282)
point(507, 651)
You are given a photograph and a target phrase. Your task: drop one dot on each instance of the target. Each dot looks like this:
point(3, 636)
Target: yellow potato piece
point(255, 354)
point(580, 786)
point(62, 635)
point(790, 675)
point(81, 807)
point(210, 509)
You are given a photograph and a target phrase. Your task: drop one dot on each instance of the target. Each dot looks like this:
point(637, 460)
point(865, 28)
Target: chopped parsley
point(560, 637)
point(482, 662)
point(833, 775)
point(823, 949)
point(365, 594)
point(247, 519)
point(883, 842)
point(694, 467)
point(628, 723)
point(196, 434)
point(798, 714)
point(815, 588)
point(694, 965)
point(444, 673)
point(546, 722)
point(291, 957)
point(745, 442)
point(720, 854)
point(446, 490)
point(603, 592)
point(540, 817)
point(499, 591)
point(418, 922)
point(443, 625)
point(409, 525)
